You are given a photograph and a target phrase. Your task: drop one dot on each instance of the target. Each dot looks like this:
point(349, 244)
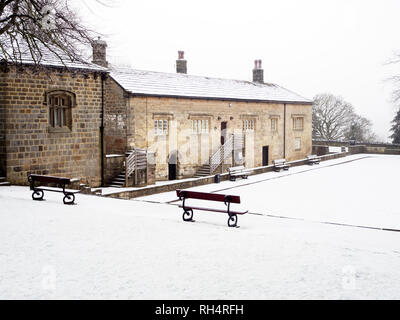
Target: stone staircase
point(3, 182)
point(119, 181)
point(203, 171)
point(135, 160)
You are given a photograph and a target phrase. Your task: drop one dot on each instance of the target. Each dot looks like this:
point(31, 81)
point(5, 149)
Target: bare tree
point(331, 117)
point(32, 26)
point(360, 130)
point(335, 119)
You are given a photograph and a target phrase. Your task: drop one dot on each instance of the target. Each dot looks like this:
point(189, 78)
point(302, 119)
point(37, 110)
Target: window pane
point(155, 127)
point(62, 122)
point(165, 127)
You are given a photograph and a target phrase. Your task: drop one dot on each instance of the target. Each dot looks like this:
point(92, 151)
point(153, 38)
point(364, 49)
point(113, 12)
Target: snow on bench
point(280, 164)
point(313, 159)
point(239, 171)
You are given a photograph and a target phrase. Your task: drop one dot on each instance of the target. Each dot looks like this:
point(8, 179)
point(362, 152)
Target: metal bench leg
point(37, 195)
point(187, 215)
point(69, 198)
point(232, 220)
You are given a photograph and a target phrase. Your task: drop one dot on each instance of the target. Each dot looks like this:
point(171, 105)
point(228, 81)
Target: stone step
point(115, 186)
point(115, 181)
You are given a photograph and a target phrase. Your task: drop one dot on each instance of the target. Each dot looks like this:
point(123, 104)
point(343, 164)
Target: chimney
point(181, 63)
point(258, 72)
point(99, 52)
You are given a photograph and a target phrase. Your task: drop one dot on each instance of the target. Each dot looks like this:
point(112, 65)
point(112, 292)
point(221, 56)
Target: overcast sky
point(307, 46)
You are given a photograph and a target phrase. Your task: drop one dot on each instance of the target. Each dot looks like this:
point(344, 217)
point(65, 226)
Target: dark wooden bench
point(227, 199)
point(38, 191)
point(313, 159)
point(239, 171)
point(280, 164)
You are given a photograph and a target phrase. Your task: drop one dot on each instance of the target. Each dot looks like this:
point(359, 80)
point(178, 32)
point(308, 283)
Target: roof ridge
point(191, 75)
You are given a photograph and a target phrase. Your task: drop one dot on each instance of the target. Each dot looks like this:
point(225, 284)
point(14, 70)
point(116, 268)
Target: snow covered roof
point(49, 58)
point(152, 83)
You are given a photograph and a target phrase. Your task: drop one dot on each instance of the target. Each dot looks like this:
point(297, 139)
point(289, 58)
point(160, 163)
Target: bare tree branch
point(30, 26)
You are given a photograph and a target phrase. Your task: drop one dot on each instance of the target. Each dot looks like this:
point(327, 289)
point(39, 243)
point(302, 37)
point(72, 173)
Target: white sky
point(308, 46)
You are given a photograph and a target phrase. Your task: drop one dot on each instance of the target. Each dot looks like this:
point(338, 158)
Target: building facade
point(186, 119)
point(90, 121)
point(50, 120)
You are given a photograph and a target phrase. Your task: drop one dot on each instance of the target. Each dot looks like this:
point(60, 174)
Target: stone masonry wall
point(117, 133)
point(195, 149)
point(3, 87)
point(30, 146)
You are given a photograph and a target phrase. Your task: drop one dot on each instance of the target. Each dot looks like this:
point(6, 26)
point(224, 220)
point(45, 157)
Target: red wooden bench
point(227, 199)
point(38, 191)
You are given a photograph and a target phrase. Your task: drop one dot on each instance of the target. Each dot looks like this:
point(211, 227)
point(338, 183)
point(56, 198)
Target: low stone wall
point(146, 191)
point(320, 146)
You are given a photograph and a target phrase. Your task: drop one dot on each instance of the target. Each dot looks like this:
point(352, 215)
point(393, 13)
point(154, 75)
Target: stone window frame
point(161, 127)
point(65, 116)
point(161, 122)
point(249, 122)
point(297, 143)
point(199, 126)
point(298, 126)
point(274, 118)
point(199, 118)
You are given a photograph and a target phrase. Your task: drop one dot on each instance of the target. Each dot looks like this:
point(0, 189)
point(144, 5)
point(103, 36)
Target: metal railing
point(223, 152)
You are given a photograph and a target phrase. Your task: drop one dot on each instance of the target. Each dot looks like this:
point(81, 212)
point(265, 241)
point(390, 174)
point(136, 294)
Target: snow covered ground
point(109, 248)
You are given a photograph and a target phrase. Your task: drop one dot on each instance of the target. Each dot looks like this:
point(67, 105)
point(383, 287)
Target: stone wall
point(3, 88)
point(31, 147)
point(113, 167)
point(195, 149)
point(116, 129)
point(373, 148)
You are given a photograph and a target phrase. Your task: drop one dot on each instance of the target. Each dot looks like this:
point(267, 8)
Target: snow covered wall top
point(182, 85)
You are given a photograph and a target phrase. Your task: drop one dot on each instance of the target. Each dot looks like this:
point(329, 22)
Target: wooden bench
point(227, 199)
point(239, 171)
point(313, 159)
point(38, 191)
point(280, 164)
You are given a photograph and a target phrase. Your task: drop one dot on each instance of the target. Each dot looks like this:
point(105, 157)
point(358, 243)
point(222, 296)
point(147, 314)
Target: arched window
point(60, 105)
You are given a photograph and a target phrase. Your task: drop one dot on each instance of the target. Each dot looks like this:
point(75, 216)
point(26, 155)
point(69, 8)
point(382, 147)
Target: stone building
point(186, 119)
point(51, 119)
point(92, 121)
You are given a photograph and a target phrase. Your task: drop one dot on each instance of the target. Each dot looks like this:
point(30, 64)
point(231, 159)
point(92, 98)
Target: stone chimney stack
point(181, 63)
point(99, 52)
point(258, 72)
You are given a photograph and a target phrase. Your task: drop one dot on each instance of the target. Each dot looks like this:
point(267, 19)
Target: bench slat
point(49, 179)
point(54, 189)
point(207, 196)
point(214, 210)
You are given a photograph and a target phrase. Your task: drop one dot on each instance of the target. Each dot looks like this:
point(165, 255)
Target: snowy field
point(284, 249)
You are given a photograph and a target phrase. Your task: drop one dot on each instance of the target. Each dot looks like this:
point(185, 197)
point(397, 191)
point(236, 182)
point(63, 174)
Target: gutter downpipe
point(284, 130)
point(103, 78)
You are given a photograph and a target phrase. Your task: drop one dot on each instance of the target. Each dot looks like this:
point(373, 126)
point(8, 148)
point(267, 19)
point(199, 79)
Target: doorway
point(172, 164)
point(223, 132)
point(171, 171)
point(265, 155)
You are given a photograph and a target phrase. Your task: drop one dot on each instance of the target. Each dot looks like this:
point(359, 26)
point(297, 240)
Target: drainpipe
point(103, 78)
point(284, 130)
